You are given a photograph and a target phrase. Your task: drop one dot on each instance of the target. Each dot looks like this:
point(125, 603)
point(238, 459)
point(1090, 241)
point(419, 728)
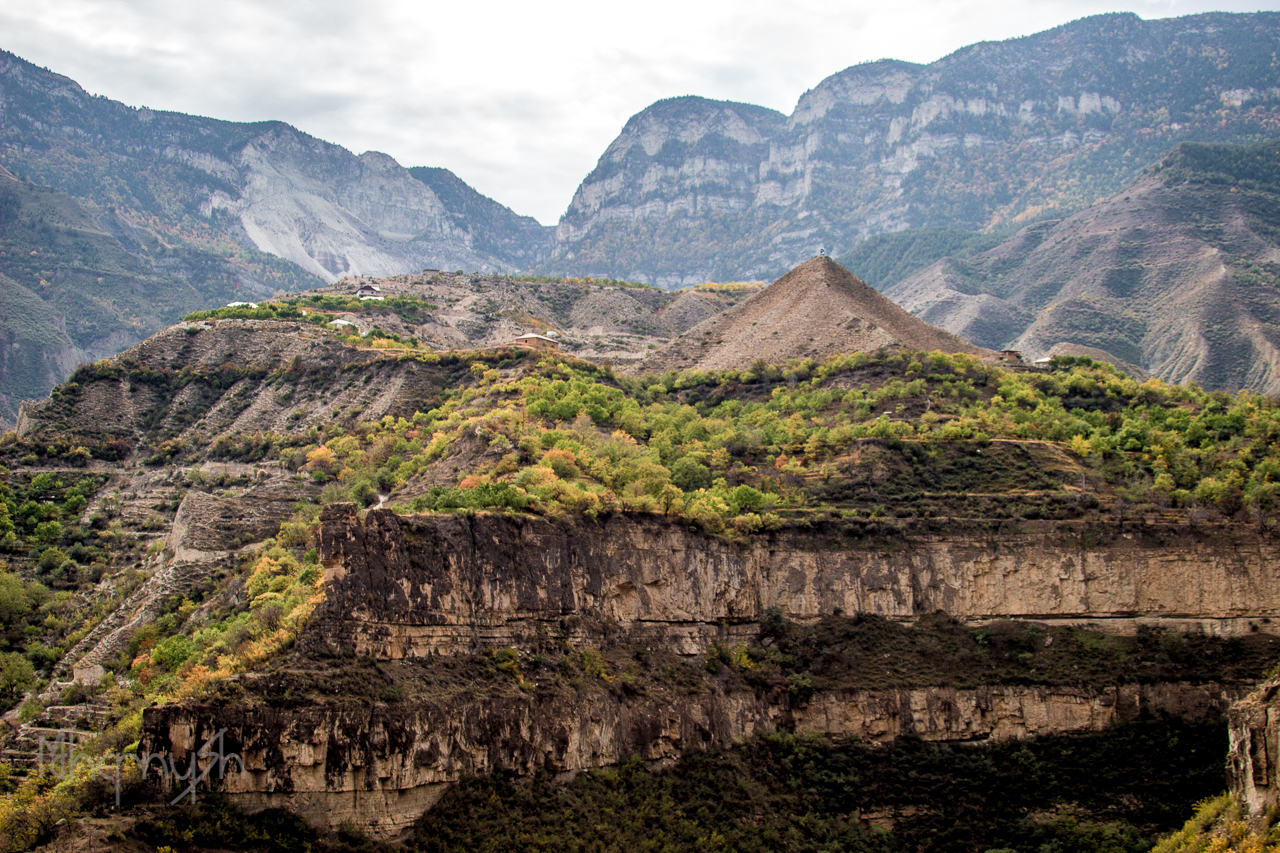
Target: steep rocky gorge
point(542, 641)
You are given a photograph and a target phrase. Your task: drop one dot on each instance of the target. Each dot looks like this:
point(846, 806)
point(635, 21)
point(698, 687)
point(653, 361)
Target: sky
point(519, 99)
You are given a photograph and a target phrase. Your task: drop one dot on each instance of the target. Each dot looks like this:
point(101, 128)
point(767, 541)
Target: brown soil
point(817, 309)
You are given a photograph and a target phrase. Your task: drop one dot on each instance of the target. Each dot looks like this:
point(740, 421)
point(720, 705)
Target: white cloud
point(519, 99)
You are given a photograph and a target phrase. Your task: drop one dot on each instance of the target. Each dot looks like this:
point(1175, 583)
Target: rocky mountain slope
point(598, 320)
point(816, 310)
point(266, 186)
point(79, 286)
point(519, 241)
point(995, 134)
point(1178, 274)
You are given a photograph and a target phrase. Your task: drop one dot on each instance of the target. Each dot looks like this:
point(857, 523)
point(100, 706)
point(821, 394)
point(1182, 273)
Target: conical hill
point(816, 310)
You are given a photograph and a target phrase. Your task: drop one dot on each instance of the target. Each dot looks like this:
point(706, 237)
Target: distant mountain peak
point(992, 135)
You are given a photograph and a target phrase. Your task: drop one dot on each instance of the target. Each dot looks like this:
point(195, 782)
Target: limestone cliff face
point(711, 150)
point(398, 588)
point(381, 766)
point(336, 214)
point(402, 587)
point(695, 190)
point(1253, 763)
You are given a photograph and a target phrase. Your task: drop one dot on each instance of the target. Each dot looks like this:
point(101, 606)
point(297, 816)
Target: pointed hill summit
point(816, 310)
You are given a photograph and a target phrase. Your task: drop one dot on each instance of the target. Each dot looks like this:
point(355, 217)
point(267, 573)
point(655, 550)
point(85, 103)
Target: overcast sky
point(518, 98)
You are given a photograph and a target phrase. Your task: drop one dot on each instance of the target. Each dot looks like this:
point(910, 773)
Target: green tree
point(690, 474)
point(17, 675)
point(15, 602)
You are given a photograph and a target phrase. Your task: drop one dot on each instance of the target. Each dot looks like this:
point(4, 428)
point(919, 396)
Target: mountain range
point(1007, 193)
point(994, 136)
point(265, 186)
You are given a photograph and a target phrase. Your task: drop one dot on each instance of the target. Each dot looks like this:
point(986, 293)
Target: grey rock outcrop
point(403, 587)
point(1253, 762)
point(994, 134)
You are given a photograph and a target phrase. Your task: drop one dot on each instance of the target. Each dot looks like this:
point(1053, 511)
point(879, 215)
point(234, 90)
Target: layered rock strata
point(402, 587)
point(381, 766)
point(1253, 763)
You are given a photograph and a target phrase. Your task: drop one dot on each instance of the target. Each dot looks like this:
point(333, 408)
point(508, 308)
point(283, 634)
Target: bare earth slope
point(1178, 274)
point(817, 309)
point(592, 319)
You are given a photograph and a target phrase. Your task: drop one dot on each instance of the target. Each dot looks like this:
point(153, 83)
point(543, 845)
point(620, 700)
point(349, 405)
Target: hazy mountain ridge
point(263, 185)
point(497, 229)
point(1178, 273)
point(79, 286)
point(994, 134)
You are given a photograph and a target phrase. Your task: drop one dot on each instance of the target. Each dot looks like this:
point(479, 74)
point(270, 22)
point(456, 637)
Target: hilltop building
point(538, 342)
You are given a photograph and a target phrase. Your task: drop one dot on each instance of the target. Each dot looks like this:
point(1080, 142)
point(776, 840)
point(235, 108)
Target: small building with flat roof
point(538, 342)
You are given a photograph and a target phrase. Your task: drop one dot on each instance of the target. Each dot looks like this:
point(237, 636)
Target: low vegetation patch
point(1222, 825)
point(737, 452)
